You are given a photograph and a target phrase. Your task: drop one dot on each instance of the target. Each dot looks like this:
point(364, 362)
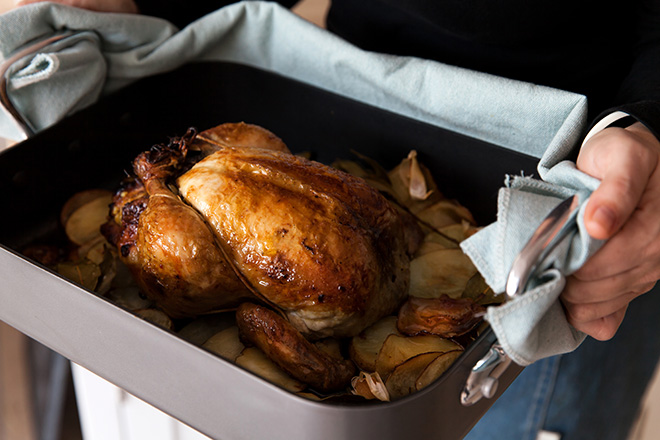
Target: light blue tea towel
point(104, 52)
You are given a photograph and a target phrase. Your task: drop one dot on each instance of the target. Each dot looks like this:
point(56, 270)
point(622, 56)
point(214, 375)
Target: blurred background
point(37, 399)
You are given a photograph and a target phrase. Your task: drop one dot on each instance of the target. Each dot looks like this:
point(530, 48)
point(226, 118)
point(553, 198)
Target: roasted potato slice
point(398, 349)
point(402, 381)
point(82, 221)
point(226, 343)
point(436, 368)
point(445, 271)
point(200, 329)
point(477, 290)
point(256, 361)
point(365, 347)
point(445, 213)
point(79, 199)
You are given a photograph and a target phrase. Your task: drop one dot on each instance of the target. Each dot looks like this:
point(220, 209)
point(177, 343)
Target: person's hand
point(127, 6)
point(626, 210)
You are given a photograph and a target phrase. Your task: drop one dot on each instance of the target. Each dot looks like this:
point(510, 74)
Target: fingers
point(578, 291)
point(603, 328)
point(587, 312)
point(621, 159)
point(597, 307)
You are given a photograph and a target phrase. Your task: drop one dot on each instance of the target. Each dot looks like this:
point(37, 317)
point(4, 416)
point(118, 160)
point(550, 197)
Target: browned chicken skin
point(444, 316)
point(276, 337)
point(251, 221)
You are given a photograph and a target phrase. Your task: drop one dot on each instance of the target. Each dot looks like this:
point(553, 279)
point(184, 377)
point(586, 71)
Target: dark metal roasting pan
point(92, 148)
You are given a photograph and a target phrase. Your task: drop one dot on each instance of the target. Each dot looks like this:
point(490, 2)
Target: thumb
point(619, 158)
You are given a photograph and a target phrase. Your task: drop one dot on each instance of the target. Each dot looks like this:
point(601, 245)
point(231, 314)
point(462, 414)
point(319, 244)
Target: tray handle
point(483, 379)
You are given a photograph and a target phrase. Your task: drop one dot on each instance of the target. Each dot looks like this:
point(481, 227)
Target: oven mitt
point(102, 52)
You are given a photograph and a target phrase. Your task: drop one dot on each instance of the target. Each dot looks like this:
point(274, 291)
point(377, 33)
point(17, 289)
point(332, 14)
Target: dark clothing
point(606, 50)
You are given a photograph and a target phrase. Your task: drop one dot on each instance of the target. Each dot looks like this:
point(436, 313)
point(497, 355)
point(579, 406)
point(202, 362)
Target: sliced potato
point(365, 347)
point(79, 199)
point(94, 250)
point(199, 330)
point(477, 290)
point(402, 380)
point(370, 386)
point(437, 243)
point(436, 368)
point(445, 213)
point(445, 271)
point(330, 346)
point(157, 317)
point(256, 361)
point(225, 343)
point(398, 349)
point(84, 223)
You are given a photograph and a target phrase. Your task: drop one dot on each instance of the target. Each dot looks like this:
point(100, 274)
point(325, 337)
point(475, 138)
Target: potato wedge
point(83, 224)
point(445, 271)
point(365, 347)
point(254, 360)
point(436, 368)
point(403, 379)
point(225, 343)
point(398, 349)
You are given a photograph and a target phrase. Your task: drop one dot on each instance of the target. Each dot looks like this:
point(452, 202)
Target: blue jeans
point(591, 393)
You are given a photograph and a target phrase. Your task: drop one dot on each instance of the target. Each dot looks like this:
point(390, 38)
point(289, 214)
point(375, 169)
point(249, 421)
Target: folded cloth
point(102, 52)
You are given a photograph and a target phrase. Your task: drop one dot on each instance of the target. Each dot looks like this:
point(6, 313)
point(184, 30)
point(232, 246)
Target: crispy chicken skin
point(251, 219)
point(169, 248)
point(319, 244)
point(285, 346)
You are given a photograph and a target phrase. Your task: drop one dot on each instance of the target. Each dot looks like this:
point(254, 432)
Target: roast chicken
point(227, 216)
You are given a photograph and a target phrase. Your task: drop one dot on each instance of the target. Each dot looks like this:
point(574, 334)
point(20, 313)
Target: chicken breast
point(315, 243)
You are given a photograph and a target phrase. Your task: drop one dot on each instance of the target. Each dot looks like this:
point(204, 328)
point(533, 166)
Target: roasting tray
point(93, 147)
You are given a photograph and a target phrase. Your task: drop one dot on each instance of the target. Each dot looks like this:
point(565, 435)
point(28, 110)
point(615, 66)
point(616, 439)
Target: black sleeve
point(639, 94)
point(183, 12)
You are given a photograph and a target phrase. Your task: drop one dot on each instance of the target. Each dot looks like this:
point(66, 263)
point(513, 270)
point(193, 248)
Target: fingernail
point(605, 217)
